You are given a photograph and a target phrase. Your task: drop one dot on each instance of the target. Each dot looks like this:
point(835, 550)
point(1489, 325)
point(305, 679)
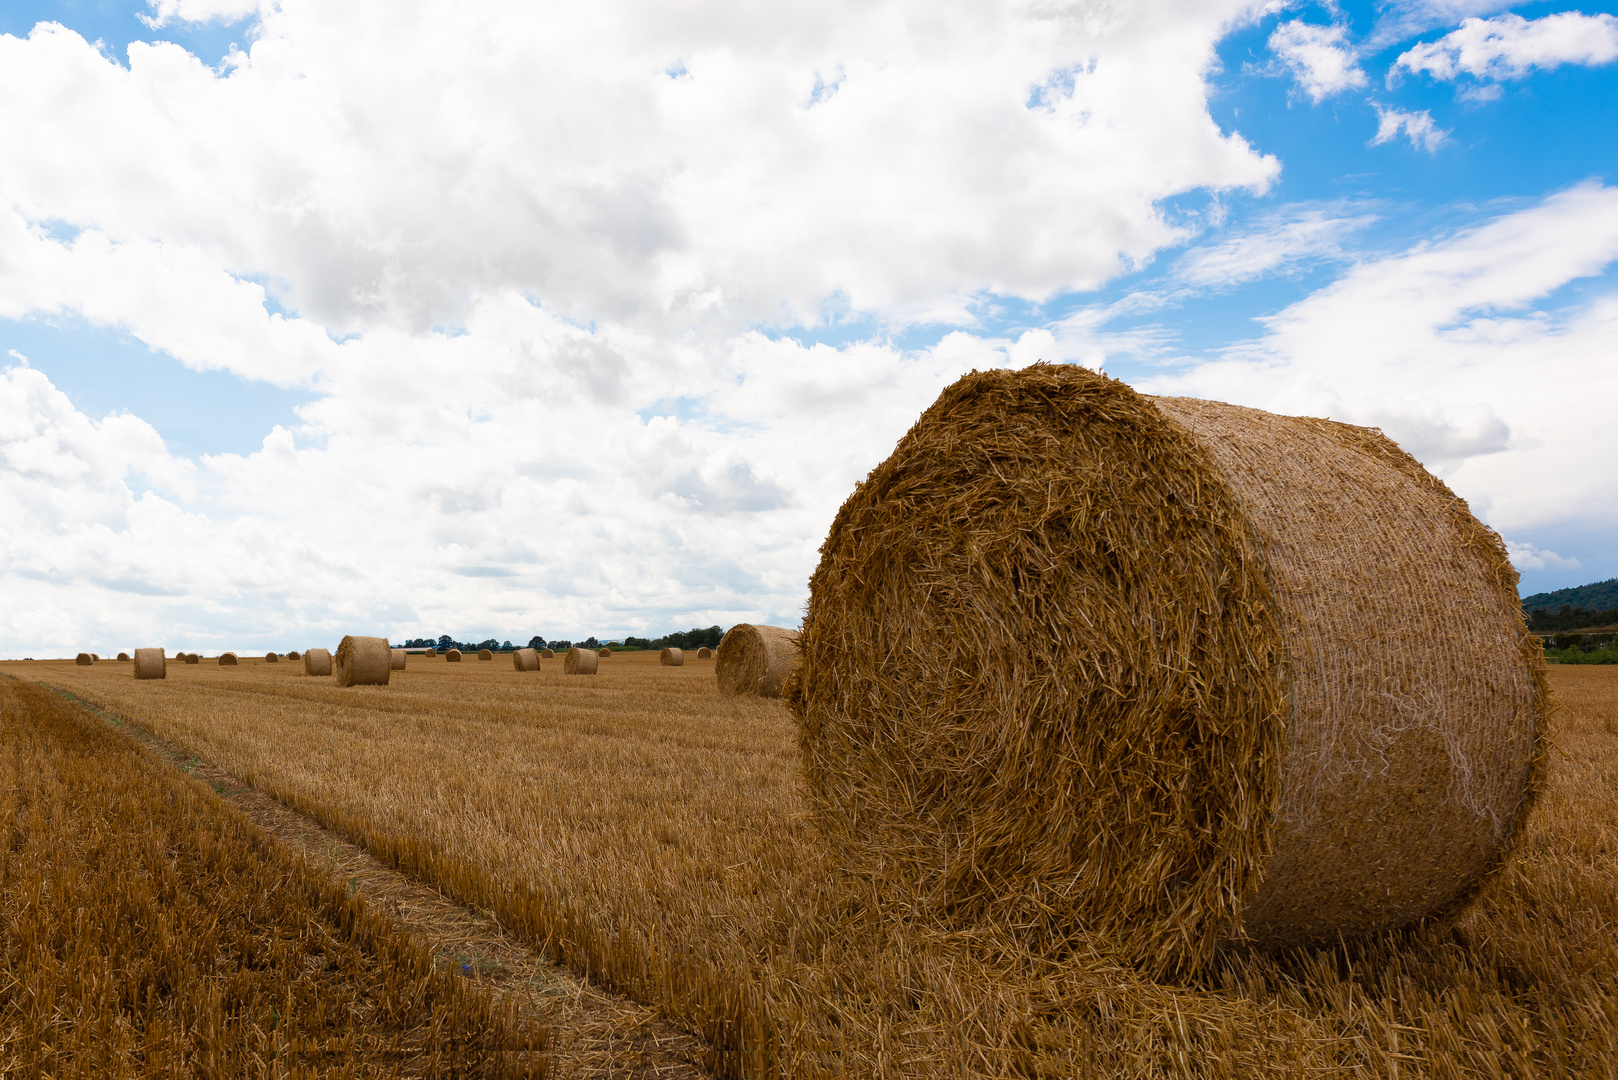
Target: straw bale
point(547, 654)
point(317, 662)
point(363, 661)
point(671, 657)
point(431, 652)
point(83, 659)
point(293, 655)
point(604, 653)
point(485, 654)
point(580, 662)
point(150, 664)
point(704, 653)
point(193, 658)
point(397, 659)
point(271, 658)
point(95, 656)
point(755, 659)
point(227, 659)
point(525, 660)
point(123, 656)
point(453, 656)
point(1134, 671)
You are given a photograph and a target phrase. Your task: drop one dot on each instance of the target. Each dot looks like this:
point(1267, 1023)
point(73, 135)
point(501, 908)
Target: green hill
point(1598, 596)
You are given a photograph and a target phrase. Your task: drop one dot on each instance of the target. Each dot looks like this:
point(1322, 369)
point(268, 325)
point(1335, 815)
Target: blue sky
point(623, 304)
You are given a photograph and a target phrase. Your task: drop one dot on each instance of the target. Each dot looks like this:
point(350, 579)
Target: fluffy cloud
point(1418, 127)
point(1319, 57)
point(1510, 46)
point(1443, 348)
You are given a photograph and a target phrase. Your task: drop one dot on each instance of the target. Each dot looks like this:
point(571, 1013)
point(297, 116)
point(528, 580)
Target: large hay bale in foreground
point(1089, 663)
point(363, 661)
point(453, 656)
point(396, 659)
point(316, 662)
point(580, 662)
point(83, 659)
point(485, 654)
point(755, 659)
point(705, 653)
point(671, 657)
point(228, 659)
point(150, 664)
point(525, 660)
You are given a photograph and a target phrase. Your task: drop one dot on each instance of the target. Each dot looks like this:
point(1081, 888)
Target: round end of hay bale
point(580, 662)
point(671, 657)
point(83, 659)
point(756, 660)
point(604, 653)
point(525, 660)
point(271, 658)
point(485, 654)
point(317, 662)
point(453, 656)
point(396, 659)
point(293, 655)
point(228, 660)
point(95, 656)
point(363, 661)
point(123, 656)
point(704, 653)
point(193, 658)
point(1167, 638)
point(547, 654)
point(150, 664)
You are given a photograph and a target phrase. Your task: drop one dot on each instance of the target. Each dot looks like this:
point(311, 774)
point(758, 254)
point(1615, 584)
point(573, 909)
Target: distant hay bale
point(755, 660)
point(317, 662)
point(150, 664)
point(95, 656)
point(705, 653)
point(547, 654)
point(397, 659)
point(1135, 672)
point(431, 652)
point(580, 662)
point(671, 657)
point(525, 660)
point(485, 654)
point(271, 658)
point(123, 656)
point(227, 659)
point(84, 659)
point(604, 653)
point(453, 656)
point(193, 658)
point(363, 661)
point(293, 655)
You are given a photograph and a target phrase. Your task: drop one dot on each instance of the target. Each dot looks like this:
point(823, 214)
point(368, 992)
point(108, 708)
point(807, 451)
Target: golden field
point(653, 835)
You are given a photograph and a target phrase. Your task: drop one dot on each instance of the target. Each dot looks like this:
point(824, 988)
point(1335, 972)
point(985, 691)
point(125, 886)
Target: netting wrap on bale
point(150, 664)
point(363, 661)
point(396, 659)
point(756, 659)
point(1137, 671)
point(317, 662)
point(671, 657)
point(580, 662)
point(525, 660)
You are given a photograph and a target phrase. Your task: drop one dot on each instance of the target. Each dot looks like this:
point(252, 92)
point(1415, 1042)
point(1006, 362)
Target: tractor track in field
point(594, 1034)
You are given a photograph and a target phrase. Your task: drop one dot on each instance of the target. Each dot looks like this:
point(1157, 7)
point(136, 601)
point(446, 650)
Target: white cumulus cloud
point(1419, 127)
point(1319, 58)
point(1510, 46)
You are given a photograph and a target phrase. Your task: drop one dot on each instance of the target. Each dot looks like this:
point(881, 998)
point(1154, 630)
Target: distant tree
point(536, 642)
point(637, 643)
point(591, 642)
point(561, 645)
point(446, 642)
point(506, 647)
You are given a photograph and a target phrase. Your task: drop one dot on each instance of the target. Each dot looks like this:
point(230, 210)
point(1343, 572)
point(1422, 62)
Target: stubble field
point(653, 836)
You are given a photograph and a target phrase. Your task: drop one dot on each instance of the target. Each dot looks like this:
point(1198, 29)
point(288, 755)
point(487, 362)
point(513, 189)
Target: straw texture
point(1130, 670)
point(396, 659)
point(525, 660)
point(83, 659)
point(317, 662)
point(580, 662)
point(228, 659)
point(671, 657)
point(755, 659)
point(150, 664)
point(453, 656)
point(363, 661)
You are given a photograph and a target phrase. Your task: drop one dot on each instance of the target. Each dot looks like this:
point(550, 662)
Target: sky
point(495, 319)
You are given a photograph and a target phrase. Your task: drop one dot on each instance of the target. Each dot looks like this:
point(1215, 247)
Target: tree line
point(1544, 620)
point(694, 638)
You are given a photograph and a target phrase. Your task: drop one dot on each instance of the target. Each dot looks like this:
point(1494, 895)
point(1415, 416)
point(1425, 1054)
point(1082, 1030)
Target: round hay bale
point(123, 656)
point(83, 659)
point(604, 653)
point(525, 660)
point(1137, 671)
point(95, 656)
point(485, 654)
point(671, 657)
point(430, 652)
point(705, 653)
point(193, 658)
point(271, 658)
point(548, 654)
point(396, 659)
point(755, 659)
point(293, 655)
point(317, 662)
point(363, 661)
point(580, 662)
point(150, 664)
point(453, 656)
point(227, 659)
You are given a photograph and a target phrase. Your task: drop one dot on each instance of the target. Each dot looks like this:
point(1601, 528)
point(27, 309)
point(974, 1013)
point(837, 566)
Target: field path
point(594, 1034)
